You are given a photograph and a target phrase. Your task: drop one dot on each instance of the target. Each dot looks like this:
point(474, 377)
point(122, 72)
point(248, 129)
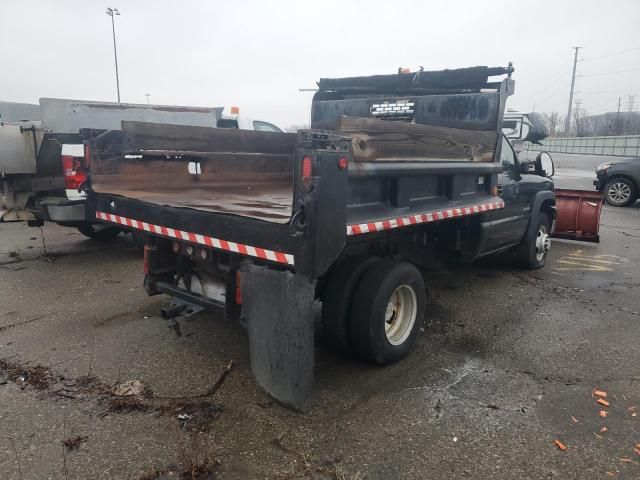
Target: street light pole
point(111, 12)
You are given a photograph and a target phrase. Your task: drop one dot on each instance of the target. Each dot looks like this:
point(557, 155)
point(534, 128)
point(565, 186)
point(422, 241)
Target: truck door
point(509, 224)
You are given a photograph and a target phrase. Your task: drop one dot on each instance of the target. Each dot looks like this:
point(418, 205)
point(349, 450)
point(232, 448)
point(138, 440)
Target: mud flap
point(278, 308)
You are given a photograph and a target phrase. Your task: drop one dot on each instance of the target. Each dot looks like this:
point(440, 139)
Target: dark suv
point(619, 181)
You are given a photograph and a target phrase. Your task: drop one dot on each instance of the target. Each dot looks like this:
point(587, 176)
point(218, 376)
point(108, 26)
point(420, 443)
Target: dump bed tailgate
point(226, 171)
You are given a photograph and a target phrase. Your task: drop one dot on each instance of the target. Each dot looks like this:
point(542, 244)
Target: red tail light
point(75, 173)
point(307, 168)
point(307, 172)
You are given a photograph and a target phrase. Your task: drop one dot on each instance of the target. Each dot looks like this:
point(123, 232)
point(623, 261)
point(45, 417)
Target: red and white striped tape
point(257, 252)
point(360, 228)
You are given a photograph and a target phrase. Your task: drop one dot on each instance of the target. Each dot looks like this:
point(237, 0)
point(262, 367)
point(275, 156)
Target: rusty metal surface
point(381, 140)
point(578, 215)
point(225, 174)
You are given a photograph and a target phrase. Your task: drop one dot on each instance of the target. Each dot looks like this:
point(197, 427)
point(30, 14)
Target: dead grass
point(38, 377)
point(197, 462)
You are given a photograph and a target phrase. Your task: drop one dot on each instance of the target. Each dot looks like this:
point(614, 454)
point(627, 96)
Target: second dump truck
point(398, 173)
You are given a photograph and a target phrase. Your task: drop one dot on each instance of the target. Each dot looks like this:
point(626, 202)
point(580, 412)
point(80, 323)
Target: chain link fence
point(624, 146)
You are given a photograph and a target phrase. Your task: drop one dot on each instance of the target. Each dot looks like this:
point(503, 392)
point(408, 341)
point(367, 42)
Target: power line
point(611, 54)
point(609, 91)
point(549, 84)
point(610, 73)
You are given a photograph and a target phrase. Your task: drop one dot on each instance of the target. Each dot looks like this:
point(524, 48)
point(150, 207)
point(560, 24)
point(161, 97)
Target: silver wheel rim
point(543, 243)
point(619, 192)
point(400, 315)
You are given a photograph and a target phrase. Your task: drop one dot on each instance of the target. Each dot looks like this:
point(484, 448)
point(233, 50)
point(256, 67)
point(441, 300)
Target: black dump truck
point(398, 173)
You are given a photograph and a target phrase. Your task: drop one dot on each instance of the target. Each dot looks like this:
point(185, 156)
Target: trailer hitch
point(179, 308)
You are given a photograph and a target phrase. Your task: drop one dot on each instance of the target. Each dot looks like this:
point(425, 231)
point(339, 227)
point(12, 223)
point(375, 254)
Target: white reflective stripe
point(252, 251)
point(200, 239)
point(289, 258)
point(450, 213)
point(349, 230)
point(216, 242)
point(233, 247)
point(145, 226)
point(171, 232)
point(184, 235)
point(271, 255)
point(364, 228)
point(134, 224)
point(393, 223)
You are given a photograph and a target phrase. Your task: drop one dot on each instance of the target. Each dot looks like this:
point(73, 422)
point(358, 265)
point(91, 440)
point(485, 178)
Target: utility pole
point(567, 122)
point(111, 12)
point(147, 95)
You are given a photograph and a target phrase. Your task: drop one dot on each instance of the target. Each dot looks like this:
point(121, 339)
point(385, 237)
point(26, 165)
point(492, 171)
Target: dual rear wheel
point(374, 308)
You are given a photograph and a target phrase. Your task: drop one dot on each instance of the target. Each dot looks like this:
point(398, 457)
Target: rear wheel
point(99, 231)
point(620, 192)
point(532, 252)
point(387, 311)
point(336, 301)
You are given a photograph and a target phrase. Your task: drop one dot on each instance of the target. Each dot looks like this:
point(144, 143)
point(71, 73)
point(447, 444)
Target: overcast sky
point(257, 54)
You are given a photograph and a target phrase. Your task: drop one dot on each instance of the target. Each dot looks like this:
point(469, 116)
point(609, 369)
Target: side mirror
point(544, 165)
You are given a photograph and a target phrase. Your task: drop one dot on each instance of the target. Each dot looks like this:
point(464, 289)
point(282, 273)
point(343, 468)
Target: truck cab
point(529, 207)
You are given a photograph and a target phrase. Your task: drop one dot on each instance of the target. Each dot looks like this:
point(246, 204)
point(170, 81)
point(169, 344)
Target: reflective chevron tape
point(234, 247)
point(360, 228)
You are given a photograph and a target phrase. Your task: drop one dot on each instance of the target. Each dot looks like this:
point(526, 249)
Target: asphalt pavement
point(506, 364)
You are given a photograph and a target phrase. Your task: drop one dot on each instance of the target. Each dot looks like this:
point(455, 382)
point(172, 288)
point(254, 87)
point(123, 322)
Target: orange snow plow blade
point(578, 215)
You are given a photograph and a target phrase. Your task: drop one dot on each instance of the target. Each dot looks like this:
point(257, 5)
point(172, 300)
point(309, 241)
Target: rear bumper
point(63, 210)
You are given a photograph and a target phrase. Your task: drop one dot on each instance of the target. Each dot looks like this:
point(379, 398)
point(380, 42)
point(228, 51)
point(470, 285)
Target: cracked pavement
point(505, 365)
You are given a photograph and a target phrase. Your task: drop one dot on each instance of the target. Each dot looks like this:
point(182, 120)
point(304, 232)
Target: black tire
point(532, 252)
point(371, 303)
point(98, 232)
point(336, 301)
point(620, 192)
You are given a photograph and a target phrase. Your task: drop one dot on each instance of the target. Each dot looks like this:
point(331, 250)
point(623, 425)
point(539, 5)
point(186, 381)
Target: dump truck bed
point(287, 193)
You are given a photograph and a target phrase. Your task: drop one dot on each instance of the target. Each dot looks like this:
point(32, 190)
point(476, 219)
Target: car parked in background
point(619, 181)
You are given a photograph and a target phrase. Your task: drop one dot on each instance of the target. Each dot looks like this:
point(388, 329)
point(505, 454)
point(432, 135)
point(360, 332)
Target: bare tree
point(552, 118)
point(582, 123)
